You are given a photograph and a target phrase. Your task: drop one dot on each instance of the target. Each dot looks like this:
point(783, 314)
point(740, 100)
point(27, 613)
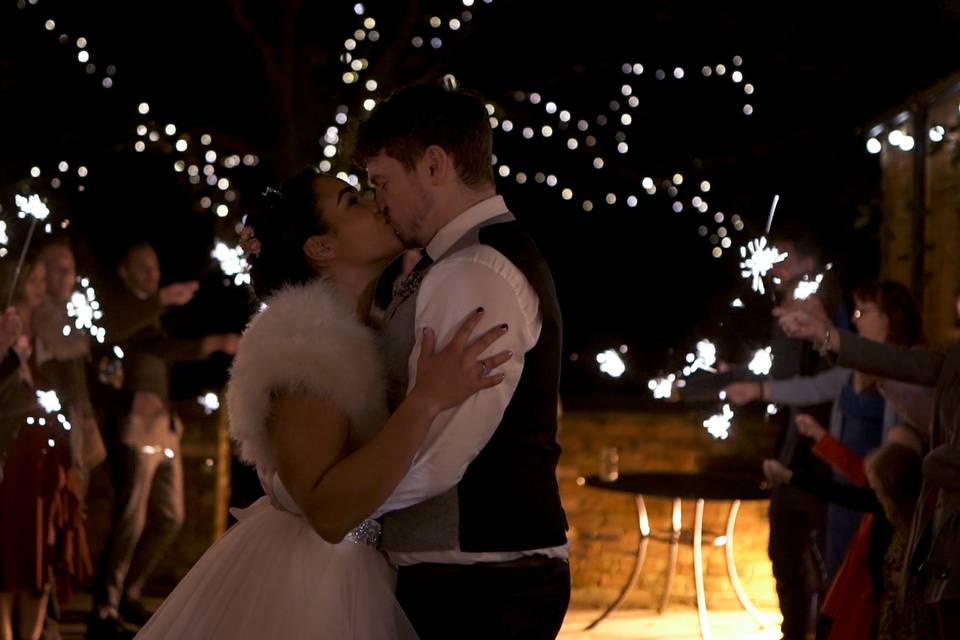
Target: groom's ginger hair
point(420, 115)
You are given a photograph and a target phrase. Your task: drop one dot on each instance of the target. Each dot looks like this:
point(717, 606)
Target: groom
point(480, 539)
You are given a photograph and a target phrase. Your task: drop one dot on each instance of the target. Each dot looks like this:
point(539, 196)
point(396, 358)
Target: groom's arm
point(454, 288)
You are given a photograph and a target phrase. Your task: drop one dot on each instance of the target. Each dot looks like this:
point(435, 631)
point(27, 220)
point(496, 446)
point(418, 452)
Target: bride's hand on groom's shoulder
point(446, 378)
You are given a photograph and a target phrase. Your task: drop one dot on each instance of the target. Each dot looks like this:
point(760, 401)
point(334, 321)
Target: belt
point(519, 563)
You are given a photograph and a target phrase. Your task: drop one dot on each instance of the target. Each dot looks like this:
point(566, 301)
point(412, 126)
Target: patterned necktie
point(411, 282)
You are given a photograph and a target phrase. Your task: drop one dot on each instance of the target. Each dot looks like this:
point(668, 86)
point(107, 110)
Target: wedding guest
point(41, 524)
point(886, 312)
point(144, 450)
point(933, 550)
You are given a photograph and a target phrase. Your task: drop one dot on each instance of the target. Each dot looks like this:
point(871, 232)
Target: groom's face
point(403, 197)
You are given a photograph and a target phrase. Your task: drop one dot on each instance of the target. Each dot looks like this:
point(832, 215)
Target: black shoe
point(106, 629)
point(133, 612)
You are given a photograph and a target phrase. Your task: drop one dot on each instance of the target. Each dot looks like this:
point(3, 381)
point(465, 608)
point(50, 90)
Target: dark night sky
point(640, 276)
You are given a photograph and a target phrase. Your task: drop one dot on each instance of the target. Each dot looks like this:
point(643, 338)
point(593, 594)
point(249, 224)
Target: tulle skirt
point(272, 576)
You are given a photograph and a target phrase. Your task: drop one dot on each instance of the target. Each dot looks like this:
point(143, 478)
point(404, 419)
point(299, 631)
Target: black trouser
point(522, 600)
point(948, 618)
point(796, 532)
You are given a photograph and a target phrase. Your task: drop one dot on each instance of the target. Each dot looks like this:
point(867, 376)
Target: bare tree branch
point(266, 49)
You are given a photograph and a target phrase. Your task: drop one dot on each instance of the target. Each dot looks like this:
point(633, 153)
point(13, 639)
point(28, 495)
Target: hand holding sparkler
point(34, 208)
point(807, 425)
point(807, 326)
point(10, 329)
point(178, 294)
point(776, 473)
point(741, 393)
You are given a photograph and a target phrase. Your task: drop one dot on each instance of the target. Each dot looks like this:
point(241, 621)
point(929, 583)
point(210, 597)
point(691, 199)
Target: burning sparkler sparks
point(232, 263)
point(718, 425)
point(762, 362)
point(662, 388)
point(84, 308)
point(611, 363)
point(758, 260)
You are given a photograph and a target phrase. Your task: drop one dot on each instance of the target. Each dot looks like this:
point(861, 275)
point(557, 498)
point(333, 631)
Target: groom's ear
point(437, 163)
point(320, 249)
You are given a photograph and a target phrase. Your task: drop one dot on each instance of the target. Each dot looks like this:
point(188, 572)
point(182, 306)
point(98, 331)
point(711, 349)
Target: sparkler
point(762, 362)
point(806, 287)
point(50, 403)
point(232, 262)
point(611, 364)
point(703, 360)
point(758, 260)
point(84, 308)
point(662, 388)
point(773, 210)
point(210, 402)
point(36, 210)
point(718, 425)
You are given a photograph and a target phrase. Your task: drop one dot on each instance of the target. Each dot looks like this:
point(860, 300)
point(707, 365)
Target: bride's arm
point(334, 489)
point(337, 490)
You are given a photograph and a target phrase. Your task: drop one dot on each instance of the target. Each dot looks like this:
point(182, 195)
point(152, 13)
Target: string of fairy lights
point(899, 138)
point(214, 192)
point(602, 139)
point(585, 136)
point(900, 134)
point(357, 63)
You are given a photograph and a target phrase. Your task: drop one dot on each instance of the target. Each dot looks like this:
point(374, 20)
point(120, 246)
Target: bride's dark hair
point(282, 221)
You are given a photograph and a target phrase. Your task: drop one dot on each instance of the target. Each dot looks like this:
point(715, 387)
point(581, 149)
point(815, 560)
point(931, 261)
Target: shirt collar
point(456, 228)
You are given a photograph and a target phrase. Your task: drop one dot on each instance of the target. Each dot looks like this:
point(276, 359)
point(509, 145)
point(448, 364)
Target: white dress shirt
point(477, 276)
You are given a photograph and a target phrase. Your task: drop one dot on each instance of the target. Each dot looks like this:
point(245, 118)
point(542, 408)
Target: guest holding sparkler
point(14, 392)
point(41, 526)
point(145, 448)
point(63, 357)
point(933, 551)
point(863, 599)
point(885, 312)
point(796, 518)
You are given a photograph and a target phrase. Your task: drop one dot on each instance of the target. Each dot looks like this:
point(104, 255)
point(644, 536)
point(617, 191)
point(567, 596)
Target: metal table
point(678, 486)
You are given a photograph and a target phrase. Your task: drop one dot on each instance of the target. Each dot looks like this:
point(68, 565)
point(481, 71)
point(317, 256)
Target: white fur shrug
point(306, 339)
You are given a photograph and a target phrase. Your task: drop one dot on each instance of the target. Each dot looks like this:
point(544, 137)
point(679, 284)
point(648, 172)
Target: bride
point(307, 406)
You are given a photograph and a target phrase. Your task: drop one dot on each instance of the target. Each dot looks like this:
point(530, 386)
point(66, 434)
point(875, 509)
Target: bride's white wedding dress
point(271, 575)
